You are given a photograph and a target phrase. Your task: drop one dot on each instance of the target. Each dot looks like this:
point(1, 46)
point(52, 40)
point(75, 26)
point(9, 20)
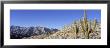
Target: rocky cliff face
point(17, 32)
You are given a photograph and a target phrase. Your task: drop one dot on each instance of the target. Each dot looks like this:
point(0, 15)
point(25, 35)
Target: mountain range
point(17, 32)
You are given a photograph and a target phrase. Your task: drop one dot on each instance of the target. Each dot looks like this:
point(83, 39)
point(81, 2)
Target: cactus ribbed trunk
point(85, 25)
point(86, 35)
point(94, 25)
point(76, 29)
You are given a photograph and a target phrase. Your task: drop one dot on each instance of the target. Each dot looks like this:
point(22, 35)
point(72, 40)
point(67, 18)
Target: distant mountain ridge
point(17, 32)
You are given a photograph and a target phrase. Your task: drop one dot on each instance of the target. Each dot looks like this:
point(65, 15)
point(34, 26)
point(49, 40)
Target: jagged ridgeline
point(17, 32)
point(81, 29)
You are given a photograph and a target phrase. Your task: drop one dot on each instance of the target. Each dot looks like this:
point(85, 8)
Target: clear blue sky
point(49, 18)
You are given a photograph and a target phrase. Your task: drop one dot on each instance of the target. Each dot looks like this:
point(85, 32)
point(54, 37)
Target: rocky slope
point(69, 34)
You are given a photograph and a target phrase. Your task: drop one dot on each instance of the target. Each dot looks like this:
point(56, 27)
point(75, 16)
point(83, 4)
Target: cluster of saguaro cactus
point(84, 25)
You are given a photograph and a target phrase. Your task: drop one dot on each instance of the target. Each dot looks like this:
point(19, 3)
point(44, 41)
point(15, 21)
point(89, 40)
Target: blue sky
point(49, 18)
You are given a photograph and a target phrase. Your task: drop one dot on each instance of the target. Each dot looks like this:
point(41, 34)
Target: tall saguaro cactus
point(85, 25)
point(94, 24)
point(76, 28)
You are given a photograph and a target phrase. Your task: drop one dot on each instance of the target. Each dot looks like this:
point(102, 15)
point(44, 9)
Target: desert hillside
point(79, 29)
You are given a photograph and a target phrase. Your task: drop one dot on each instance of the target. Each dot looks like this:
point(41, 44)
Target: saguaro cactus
point(85, 25)
point(76, 28)
point(94, 25)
